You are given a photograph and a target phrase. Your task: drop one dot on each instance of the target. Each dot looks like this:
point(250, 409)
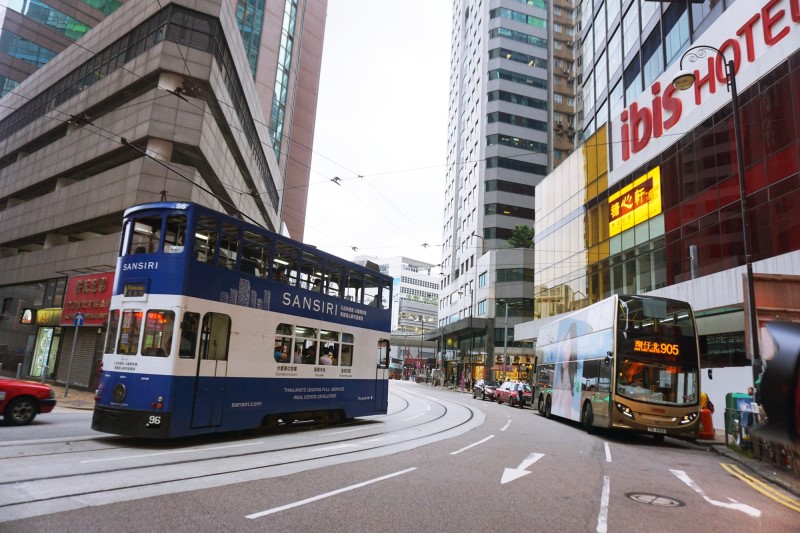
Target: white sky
point(381, 114)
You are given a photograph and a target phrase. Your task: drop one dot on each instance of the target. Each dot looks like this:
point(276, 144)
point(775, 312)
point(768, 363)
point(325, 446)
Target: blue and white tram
point(219, 325)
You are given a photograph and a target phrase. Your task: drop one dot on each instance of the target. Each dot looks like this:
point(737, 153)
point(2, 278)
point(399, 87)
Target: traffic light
point(780, 384)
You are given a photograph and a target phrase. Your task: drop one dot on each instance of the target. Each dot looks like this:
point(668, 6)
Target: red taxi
point(21, 401)
point(519, 394)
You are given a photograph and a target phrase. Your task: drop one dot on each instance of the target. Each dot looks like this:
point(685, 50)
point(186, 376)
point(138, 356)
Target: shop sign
point(755, 35)
point(89, 294)
point(48, 316)
point(635, 203)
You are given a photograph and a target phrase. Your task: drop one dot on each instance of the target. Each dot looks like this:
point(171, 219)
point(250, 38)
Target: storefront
point(90, 297)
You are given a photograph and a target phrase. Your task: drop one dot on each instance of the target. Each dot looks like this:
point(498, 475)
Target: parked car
point(484, 389)
point(21, 401)
point(519, 394)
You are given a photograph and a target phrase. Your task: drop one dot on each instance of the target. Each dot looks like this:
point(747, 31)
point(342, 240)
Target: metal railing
point(739, 426)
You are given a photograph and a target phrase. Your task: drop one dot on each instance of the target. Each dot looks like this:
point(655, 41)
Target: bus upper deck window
point(146, 235)
point(175, 234)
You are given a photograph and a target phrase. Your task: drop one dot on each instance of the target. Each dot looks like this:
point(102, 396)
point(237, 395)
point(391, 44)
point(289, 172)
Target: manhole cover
point(654, 499)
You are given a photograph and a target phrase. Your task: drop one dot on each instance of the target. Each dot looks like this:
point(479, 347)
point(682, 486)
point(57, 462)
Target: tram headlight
point(625, 410)
point(688, 419)
point(119, 392)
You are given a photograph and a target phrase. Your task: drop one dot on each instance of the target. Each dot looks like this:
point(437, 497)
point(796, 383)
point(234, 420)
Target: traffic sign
point(78, 320)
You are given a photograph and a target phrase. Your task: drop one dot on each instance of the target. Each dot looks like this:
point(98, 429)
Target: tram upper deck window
point(255, 254)
point(145, 235)
point(175, 234)
point(372, 292)
point(284, 264)
point(354, 288)
point(333, 278)
point(205, 239)
point(228, 246)
point(311, 272)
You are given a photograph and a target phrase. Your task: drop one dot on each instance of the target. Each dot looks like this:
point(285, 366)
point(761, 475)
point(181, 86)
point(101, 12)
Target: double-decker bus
point(216, 325)
point(627, 362)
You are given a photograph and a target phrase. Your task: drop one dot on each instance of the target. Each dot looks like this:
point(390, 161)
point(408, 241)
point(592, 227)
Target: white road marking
point(169, 453)
point(337, 447)
point(506, 426)
point(733, 504)
point(510, 474)
point(608, 453)
point(472, 445)
point(602, 518)
point(327, 494)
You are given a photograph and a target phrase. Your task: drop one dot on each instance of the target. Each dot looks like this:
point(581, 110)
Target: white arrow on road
point(510, 474)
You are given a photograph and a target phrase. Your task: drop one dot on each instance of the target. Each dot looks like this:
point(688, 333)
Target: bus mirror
point(710, 374)
point(780, 384)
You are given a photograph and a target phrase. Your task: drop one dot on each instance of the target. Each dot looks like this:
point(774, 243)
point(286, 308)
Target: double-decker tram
point(219, 325)
point(627, 362)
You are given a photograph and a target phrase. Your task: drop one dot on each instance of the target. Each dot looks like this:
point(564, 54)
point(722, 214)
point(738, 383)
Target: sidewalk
point(75, 399)
point(763, 469)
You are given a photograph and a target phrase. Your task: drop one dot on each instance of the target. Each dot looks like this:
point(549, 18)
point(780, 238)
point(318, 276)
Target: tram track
point(159, 471)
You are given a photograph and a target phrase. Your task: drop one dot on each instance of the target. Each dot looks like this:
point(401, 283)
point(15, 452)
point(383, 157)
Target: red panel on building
point(90, 295)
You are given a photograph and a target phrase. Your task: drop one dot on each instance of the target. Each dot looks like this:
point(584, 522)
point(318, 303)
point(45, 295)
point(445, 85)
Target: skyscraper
point(511, 120)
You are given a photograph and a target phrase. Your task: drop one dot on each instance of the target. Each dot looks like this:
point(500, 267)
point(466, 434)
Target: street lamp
point(683, 80)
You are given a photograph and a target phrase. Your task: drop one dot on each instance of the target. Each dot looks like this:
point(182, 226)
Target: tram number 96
point(153, 421)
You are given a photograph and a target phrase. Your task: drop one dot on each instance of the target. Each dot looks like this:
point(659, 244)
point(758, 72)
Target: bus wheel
point(547, 413)
point(540, 405)
point(588, 418)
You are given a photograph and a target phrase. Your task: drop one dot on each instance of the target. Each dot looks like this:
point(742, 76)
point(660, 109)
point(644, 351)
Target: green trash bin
point(738, 404)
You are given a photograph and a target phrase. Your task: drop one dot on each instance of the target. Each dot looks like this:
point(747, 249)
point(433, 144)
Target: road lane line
point(733, 504)
point(506, 426)
point(472, 445)
point(762, 487)
point(169, 453)
point(602, 518)
point(327, 494)
point(608, 453)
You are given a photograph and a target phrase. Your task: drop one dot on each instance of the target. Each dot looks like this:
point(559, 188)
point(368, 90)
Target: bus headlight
point(688, 419)
point(625, 410)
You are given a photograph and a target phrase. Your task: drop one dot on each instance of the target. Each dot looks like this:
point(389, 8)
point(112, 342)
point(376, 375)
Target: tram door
point(382, 377)
point(212, 369)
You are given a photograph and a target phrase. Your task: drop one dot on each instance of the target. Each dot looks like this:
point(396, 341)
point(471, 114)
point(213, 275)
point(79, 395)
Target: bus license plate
point(656, 430)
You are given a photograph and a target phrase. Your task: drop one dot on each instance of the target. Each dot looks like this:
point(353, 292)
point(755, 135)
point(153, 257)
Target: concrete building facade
point(156, 101)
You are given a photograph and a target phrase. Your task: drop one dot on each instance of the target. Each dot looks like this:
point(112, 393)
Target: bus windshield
point(656, 382)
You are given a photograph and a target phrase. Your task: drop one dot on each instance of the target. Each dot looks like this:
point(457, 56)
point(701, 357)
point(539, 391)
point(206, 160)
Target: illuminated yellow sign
point(635, 203)
point(662, 348)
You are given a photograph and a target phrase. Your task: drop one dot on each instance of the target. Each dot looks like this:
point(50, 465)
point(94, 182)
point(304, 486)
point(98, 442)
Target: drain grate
point(654, 499)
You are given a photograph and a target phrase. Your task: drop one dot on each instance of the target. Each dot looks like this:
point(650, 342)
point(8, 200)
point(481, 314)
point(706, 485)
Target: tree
point(521, 237)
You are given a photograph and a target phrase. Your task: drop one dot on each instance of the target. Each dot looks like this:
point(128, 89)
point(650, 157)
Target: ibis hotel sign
point(756, 34)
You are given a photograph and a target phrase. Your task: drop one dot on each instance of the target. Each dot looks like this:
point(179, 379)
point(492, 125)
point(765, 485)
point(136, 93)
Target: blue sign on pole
point(78, 321)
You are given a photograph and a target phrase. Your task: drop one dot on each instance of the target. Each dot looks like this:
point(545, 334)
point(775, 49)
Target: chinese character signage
point(660, 348)
point(90, 295)
point(635, 203)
